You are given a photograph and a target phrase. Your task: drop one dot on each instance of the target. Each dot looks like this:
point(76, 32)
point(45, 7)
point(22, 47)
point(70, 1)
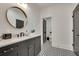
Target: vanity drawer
point(9, 50)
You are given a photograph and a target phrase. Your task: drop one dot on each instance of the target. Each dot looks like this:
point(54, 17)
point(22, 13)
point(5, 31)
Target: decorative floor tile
point(48, 50)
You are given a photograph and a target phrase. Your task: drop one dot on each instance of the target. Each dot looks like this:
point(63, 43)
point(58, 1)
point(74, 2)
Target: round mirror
point(16, 17)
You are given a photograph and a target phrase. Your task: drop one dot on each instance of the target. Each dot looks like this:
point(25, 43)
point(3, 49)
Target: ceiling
point(42, 5)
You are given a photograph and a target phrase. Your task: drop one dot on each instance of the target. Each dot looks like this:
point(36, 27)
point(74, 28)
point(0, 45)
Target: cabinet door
point(23, 49)
point(31, 47)
point(10, 50)
point(37, 45)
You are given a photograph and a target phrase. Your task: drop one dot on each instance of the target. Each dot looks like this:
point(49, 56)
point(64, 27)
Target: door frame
point(42, 31)
point(42, 28)
point(44, 34)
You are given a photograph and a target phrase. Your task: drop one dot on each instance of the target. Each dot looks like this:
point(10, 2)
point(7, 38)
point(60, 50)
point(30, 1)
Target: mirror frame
point(19, 9)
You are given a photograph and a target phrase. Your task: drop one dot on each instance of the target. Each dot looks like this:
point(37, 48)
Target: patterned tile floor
point(48, 50)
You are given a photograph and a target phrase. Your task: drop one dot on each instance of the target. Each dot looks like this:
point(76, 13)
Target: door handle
point(44, 32)
point(78, 35)
point(73, 30)
point(5, 51)
point(50, 32)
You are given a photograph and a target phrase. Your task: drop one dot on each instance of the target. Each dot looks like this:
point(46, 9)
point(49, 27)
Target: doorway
point(44, 30)
point(47, 29)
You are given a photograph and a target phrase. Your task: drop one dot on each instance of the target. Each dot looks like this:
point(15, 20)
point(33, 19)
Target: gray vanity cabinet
point(10, 52)
point(22, 48)
point(30, 47)
point(37, 45)
point(26, 48)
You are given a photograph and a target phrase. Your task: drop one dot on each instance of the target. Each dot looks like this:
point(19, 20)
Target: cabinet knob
point(5, 51)
point(11, 49)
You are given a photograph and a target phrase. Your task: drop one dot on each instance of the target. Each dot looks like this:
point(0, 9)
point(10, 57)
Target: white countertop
point(15, 40)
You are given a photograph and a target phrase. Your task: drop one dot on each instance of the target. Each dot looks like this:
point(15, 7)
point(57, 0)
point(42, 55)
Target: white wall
point(33, 19)
point(33, 12)
point(48, 27)
point(62, 24)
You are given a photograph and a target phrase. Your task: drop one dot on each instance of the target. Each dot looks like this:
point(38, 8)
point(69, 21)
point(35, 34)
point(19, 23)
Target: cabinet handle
point(5, 51)
point(11, 48)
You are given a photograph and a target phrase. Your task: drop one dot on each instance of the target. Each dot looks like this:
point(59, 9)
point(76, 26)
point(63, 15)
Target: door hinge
point(73, 44)
point(73, 16)
point(73, 30)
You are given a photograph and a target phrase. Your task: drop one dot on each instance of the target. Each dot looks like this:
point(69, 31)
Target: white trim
point(41, 31)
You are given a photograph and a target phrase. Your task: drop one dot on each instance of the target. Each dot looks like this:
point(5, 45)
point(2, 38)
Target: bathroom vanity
point(25, 46)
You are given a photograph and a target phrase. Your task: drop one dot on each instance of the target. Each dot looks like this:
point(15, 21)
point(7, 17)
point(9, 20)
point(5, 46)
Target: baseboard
point(63, 46)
